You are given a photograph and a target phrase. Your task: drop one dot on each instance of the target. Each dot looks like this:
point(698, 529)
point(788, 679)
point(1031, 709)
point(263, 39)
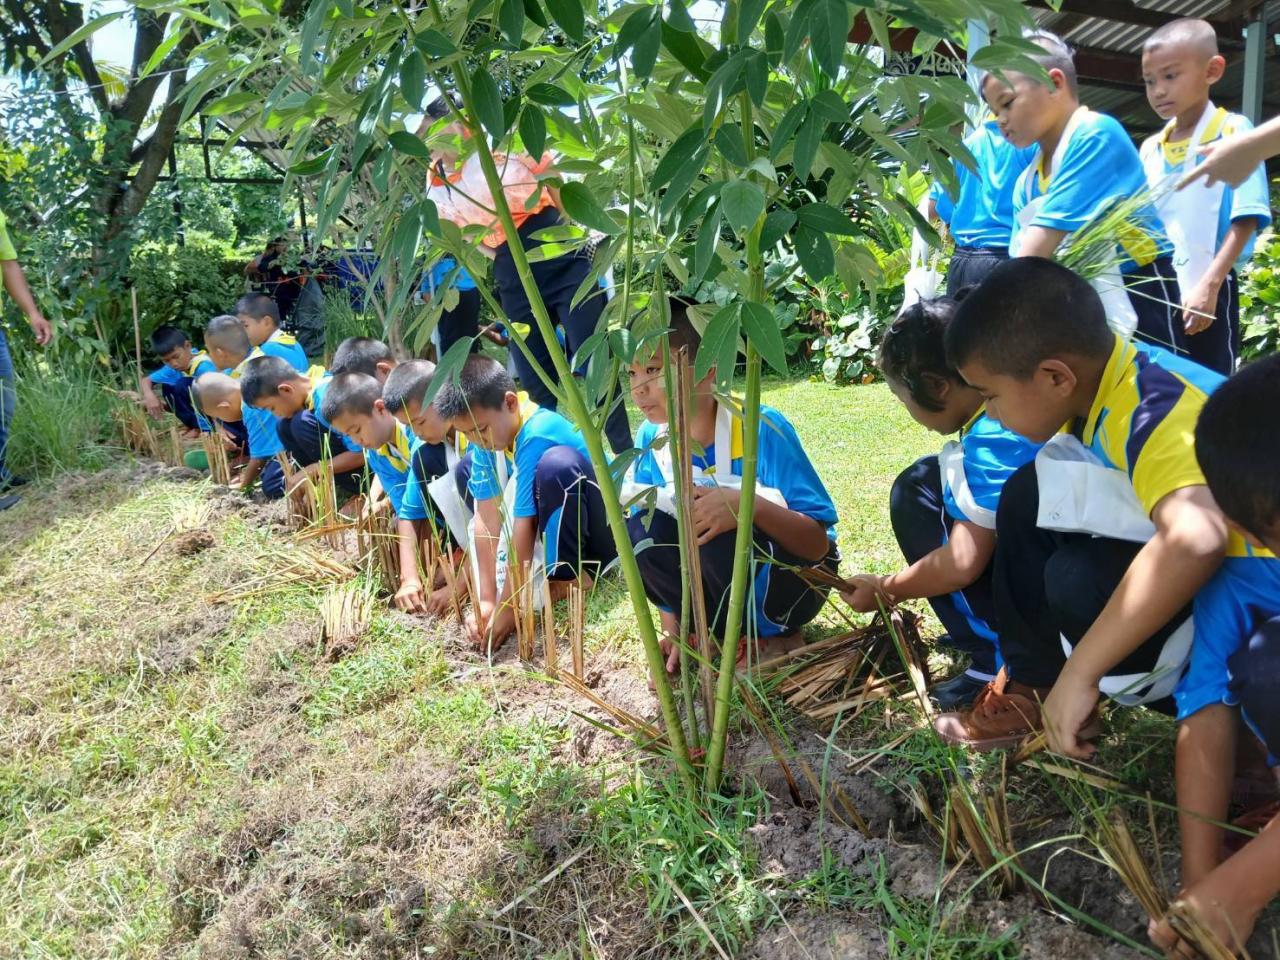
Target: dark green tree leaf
point(824, 217)
point(757, 74)
point(550, 95)
point(645, 52)
point(741, 202)
point(829, 34)
point(689, 49)
point(730, 144)
point(704, 250)
point(762, 330)
point(776, 226)
point(533, 130)
point(434, 45)
point(405, 142)
point(413, 79)
point(807, 139)
point(569, 15)
point(774, 38)
point(581, 205)
point(748, 16)
point(719, 347)
point(678, 155)
point(511, 21)
point(815, 253)
point(787, 127)
point(534, 13)
point(488, 102)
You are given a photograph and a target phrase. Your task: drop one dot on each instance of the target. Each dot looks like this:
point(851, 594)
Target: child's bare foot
point(560, 588)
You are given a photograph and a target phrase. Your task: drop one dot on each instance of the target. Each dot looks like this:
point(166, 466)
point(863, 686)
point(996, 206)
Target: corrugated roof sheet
point(1127, 37)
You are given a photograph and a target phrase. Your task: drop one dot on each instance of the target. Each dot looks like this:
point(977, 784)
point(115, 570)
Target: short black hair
point(360, 355)
point(1025, 311)
point(407, 383)
point(263, 375)
point(350, 393)
point(914, 345)
point(438, 108)
point(1238, 446)
point(165, 339)
point(483, 383)
point(258, 305)
point(228, 333)
point(683, 334)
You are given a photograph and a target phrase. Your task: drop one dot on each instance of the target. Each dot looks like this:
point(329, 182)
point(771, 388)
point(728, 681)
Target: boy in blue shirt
point(218, 396)
point(1235, 667)
point(363, 355)
point(1212, 228)
point(980, 218)
point(261, 319)
point(353, 405)
point(943, 508)
point(554, 496)
point(181, 365)
point(1085, 164)
point(794, 516)
point(463, 320)
point(295, 399)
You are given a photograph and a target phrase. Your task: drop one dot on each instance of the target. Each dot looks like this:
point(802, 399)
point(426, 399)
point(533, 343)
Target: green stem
point(576, 403)
point(745, 541)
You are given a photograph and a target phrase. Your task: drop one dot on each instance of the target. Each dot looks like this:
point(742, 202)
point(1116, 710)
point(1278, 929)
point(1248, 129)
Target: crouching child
point(794, 521)
point(554, 495)
point(181, 363)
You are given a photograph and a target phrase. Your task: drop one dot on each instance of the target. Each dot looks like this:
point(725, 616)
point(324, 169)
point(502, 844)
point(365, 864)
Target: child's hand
point(1198, 307)
point(671, 650)
point(715, 511)
point(477, 621)
point(1228, 908)
point(1065, 711)
point(865, 593)
point(409, 597)
point(439, 601)
point(153, 405)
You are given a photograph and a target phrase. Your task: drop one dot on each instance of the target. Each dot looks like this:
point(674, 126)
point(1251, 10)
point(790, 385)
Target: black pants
point(784, 601)
point(462, 321)
point(969, 266)
point(571, 518)
point(177, 397)
point(558, 280)
point(1048, 585)
point(308, 441)
point(430, 462)
point(1153, 291)
point(1219, 345)
point(922, 525)
point(1254, 670)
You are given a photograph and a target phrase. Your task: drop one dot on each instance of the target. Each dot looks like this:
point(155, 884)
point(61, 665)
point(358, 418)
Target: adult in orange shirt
point(461, 194)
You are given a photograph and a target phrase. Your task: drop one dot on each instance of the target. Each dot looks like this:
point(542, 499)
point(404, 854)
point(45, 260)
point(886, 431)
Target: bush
point(341, 320)
point(1260, 300)
point(186, 285)
point(849, 331)
point(62, 421)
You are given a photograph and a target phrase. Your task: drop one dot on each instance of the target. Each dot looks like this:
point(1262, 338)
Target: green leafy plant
point(1260, 300)
point(186, 285)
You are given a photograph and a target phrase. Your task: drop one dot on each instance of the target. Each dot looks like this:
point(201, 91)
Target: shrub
point(62, 421)
point(186, 285)
point(1260, 300)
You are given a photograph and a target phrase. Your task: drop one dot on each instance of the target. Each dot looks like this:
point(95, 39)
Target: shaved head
point(1189, 33)
point(211, 389)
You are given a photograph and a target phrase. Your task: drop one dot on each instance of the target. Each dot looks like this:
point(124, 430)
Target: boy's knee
point(1019, 499)
point(1070, 585)
point(918, 484)
point(562, 464)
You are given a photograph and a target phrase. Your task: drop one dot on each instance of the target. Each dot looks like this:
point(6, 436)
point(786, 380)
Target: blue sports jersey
point(991, 455)
point(540, 430)
point(169, 377)
point(1100, 166)
point(1249, 200)
point(434, 279)
point(259, 424)
point(982, 213)
point(315, 401)
point(1228, 609)
point(285, 346)
point(392, 463)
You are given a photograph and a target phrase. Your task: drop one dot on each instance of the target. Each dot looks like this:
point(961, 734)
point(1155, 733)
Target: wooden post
point(550, 649)
point(576, 616)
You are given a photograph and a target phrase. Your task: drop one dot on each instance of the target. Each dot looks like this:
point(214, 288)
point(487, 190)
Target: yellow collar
point(1122, 354)
point(397, 449)
point(968, 425)
point(196, 360)
point(526, 410)
point(317, 374)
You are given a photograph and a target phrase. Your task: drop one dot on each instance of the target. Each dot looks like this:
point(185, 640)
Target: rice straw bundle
point(642, 730)
point(295, 564)
point(135, 429)
point(521, 600)
point(983, 822)
point(173, 448)
point(215, 451)
point(345, 611)
point(550, 645)
point(378, 545)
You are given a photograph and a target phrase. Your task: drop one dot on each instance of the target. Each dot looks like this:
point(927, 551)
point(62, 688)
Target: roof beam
point(1125, 11)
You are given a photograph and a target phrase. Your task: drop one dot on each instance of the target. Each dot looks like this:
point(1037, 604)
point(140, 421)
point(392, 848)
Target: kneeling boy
point(555, 491)
point(294, 399)
point(794, 516)
point(1235, 666)
point(182, 363)
point(353, 404)
point(218, 397)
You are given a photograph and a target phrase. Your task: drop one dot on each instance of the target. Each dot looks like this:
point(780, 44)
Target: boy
point(254, 430)
point(353, 404)
point(181, 364)
point(363, 355)
point(794, 519)
point(555, 491)
point(442, 453)
point(1234, 663)
point(1212, 228)
point(261, 319)
point(294, 399)
point(1085, 164)
point(1103, 541)
point(980, 218)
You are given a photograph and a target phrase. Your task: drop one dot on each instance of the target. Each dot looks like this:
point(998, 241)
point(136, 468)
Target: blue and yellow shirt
point(285, 346)
point(416, 494)
point(1250, 200)
point(540, 430)
point(1100, 167)
point(320, 380)
point(169, 377)
point(982, 213)
point(435, 278)
point(259, 424)
point(392, 463)
point(990, 455)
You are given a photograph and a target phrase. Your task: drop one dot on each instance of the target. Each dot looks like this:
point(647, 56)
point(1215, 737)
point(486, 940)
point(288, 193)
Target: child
point(1085, 164)
point(254, 430)
point(261, 319)
point(294, 399)
point(1103, 541)
point(363, 355)
point(1212, 228)
point(464, 319)
point(555, 492)
point(943, 508)
point(442, 453)
point(353, 404)
point(1234, 663)
point(980, 218)
point(181, 365)
point(794, 519)
point(218, 396)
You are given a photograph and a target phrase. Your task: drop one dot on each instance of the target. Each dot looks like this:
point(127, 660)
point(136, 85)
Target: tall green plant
point(774, 139)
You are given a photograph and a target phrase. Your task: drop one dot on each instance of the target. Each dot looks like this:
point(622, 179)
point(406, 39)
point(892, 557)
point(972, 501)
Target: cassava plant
point(693, 152)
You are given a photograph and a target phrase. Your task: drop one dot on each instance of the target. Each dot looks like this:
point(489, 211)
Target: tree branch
point(64, 20)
